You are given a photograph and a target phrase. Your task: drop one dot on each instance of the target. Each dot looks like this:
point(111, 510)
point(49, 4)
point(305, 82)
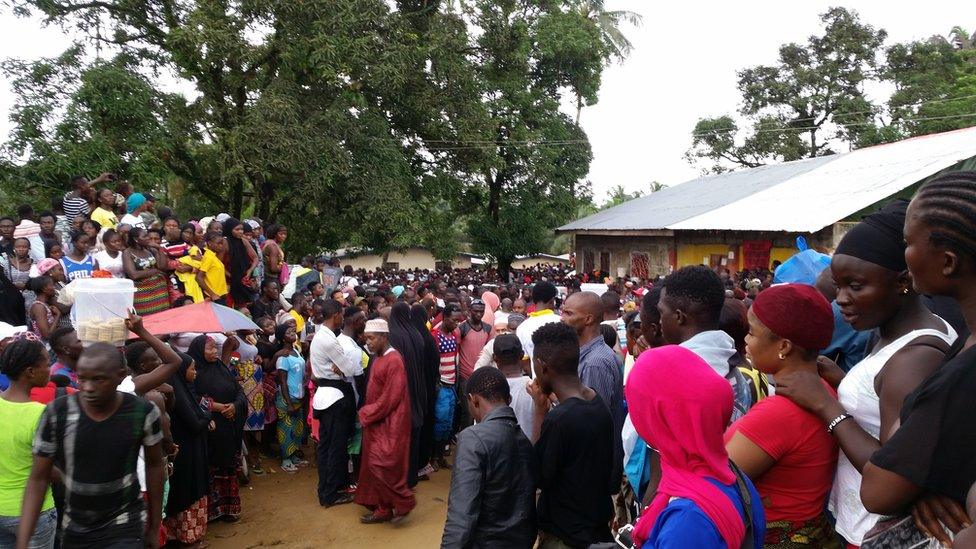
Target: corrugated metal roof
point(801, 196)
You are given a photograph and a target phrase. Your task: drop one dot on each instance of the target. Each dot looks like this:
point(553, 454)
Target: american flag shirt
point(447, 346)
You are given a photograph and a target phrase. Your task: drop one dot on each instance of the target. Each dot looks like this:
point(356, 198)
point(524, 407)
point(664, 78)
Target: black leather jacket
point(492, 501)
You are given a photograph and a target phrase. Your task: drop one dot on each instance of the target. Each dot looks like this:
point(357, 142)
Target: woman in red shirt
point(783, 448)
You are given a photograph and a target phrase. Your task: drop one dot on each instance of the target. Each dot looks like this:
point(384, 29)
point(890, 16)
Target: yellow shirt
point(189, 280)
point(299, 320)
point(105, 218)
point(214, 273)
point(19, 420)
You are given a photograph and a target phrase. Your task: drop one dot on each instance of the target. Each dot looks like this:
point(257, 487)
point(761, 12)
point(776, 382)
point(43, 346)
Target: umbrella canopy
point(200, 318)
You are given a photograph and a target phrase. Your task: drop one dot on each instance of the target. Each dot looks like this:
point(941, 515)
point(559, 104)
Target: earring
point(905, 291)
point(782, 356)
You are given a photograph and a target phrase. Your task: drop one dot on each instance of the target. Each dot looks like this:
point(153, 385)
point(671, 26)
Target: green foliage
point(813, 94)
point(935, 86)
point(813, 98)
point(354, 122)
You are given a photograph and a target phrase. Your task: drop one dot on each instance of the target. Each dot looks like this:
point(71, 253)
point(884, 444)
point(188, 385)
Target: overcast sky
point(683, 67)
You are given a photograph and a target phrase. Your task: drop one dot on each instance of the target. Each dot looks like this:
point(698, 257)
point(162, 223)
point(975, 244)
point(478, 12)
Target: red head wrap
point(796, 312)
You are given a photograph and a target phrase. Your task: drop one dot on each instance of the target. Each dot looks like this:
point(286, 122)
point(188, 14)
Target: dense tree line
point(354, 122)
point(814, 100)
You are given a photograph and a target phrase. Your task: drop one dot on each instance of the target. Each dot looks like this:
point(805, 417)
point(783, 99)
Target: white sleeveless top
point(856, 393)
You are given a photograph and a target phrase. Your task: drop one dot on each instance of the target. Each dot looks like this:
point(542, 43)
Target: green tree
point(528, 54)
point(935, 86)
point(797, 107)
point(610, 23)
point(352, 121)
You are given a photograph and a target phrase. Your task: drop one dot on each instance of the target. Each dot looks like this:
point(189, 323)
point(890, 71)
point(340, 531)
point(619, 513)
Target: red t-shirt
point(472, 343)
point(48, 393)
point(796, 486)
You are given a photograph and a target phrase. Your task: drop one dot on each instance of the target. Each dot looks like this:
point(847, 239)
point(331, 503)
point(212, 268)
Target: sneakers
point(426, 470)
point(341, 500)
point(288, 466)
point(377, 517)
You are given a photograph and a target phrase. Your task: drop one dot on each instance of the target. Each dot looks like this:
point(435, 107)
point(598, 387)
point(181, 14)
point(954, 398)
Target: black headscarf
point(11, 302)
point(280, 331)
point(406, 339)
point(215, 381)
point(878, 238)
point(239, 262)
point(189, 422)
point(432, 355)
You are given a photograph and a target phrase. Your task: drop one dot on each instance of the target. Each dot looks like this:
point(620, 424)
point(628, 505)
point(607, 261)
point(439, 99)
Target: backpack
point(465, 328)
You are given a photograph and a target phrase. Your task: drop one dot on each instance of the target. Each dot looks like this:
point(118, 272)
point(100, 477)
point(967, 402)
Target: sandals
point(289, 467)
point(374, 518)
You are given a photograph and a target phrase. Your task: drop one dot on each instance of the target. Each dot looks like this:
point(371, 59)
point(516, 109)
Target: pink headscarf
point(45, 265)
point(491, 305)
point(684, 417)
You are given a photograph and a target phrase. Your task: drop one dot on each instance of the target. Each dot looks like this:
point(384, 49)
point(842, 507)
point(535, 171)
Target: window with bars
point(588, 261)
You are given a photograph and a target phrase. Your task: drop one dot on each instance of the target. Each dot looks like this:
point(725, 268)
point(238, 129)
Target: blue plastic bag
point(802, 268)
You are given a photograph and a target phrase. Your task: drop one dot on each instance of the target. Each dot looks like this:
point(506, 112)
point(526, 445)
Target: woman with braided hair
point(25, 363)
point(930, 462)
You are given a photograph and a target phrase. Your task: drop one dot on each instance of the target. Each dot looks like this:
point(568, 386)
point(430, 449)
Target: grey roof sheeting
point(802, 196)
point(672, 205)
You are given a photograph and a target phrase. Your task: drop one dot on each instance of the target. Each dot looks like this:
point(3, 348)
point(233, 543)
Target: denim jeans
point(43, 537)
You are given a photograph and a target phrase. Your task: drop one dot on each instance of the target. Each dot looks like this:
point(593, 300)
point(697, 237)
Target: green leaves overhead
point(812, 102)
point(353, 122)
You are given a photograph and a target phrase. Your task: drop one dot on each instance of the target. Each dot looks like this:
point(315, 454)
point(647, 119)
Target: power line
point(801, 128)
point(486, 145)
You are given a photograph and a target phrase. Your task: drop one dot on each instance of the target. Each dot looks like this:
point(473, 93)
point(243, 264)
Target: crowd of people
point(701, 409)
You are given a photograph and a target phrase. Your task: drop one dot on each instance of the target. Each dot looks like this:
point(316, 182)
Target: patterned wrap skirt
point(152, 295)
point(291, 426)
point(190, 525)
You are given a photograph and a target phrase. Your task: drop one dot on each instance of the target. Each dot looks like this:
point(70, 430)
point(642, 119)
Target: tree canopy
point(813, 102)
point(354, 122)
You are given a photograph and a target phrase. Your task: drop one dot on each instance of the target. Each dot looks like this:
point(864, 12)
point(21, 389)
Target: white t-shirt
point(354, 353)
point(527, 328)
point(522, 403)
point(132, 221)
point(129, 386)
point(107, 263)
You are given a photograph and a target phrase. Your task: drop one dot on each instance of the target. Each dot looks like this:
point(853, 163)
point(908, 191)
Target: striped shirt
point(447, 346)
point(98, 461)
point(73, 207)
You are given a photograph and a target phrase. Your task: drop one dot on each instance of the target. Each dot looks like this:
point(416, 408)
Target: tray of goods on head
point(101, 306)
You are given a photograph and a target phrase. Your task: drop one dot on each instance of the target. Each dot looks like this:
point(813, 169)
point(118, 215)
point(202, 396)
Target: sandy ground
point(281, 510)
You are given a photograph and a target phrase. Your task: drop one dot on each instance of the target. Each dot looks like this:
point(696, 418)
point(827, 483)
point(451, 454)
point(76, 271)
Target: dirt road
point(282, 510)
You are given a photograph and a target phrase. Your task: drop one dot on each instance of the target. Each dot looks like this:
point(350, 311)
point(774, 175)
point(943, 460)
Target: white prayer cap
point(222, 217)
point(377, 325)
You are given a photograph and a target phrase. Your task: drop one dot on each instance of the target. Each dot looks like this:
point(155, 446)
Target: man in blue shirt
point(598, 370)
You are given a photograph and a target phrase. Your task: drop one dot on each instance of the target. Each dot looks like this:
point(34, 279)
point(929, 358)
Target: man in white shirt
point(353, 326)
point(334, 405)
point(544, 297)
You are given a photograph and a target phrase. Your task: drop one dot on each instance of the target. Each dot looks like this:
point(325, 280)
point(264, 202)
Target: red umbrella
point(200, 318)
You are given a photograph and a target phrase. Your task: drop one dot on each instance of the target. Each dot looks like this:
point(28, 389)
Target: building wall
point(410, 258)
point(657, 249)
point(533, 261)
point(695, 248)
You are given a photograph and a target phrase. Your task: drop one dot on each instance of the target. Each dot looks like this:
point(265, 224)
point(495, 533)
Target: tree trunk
point(579, 106)
point(494, 199)
point(237, 198)
point(264, 195)
point(813, 143)
point(504, 268)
